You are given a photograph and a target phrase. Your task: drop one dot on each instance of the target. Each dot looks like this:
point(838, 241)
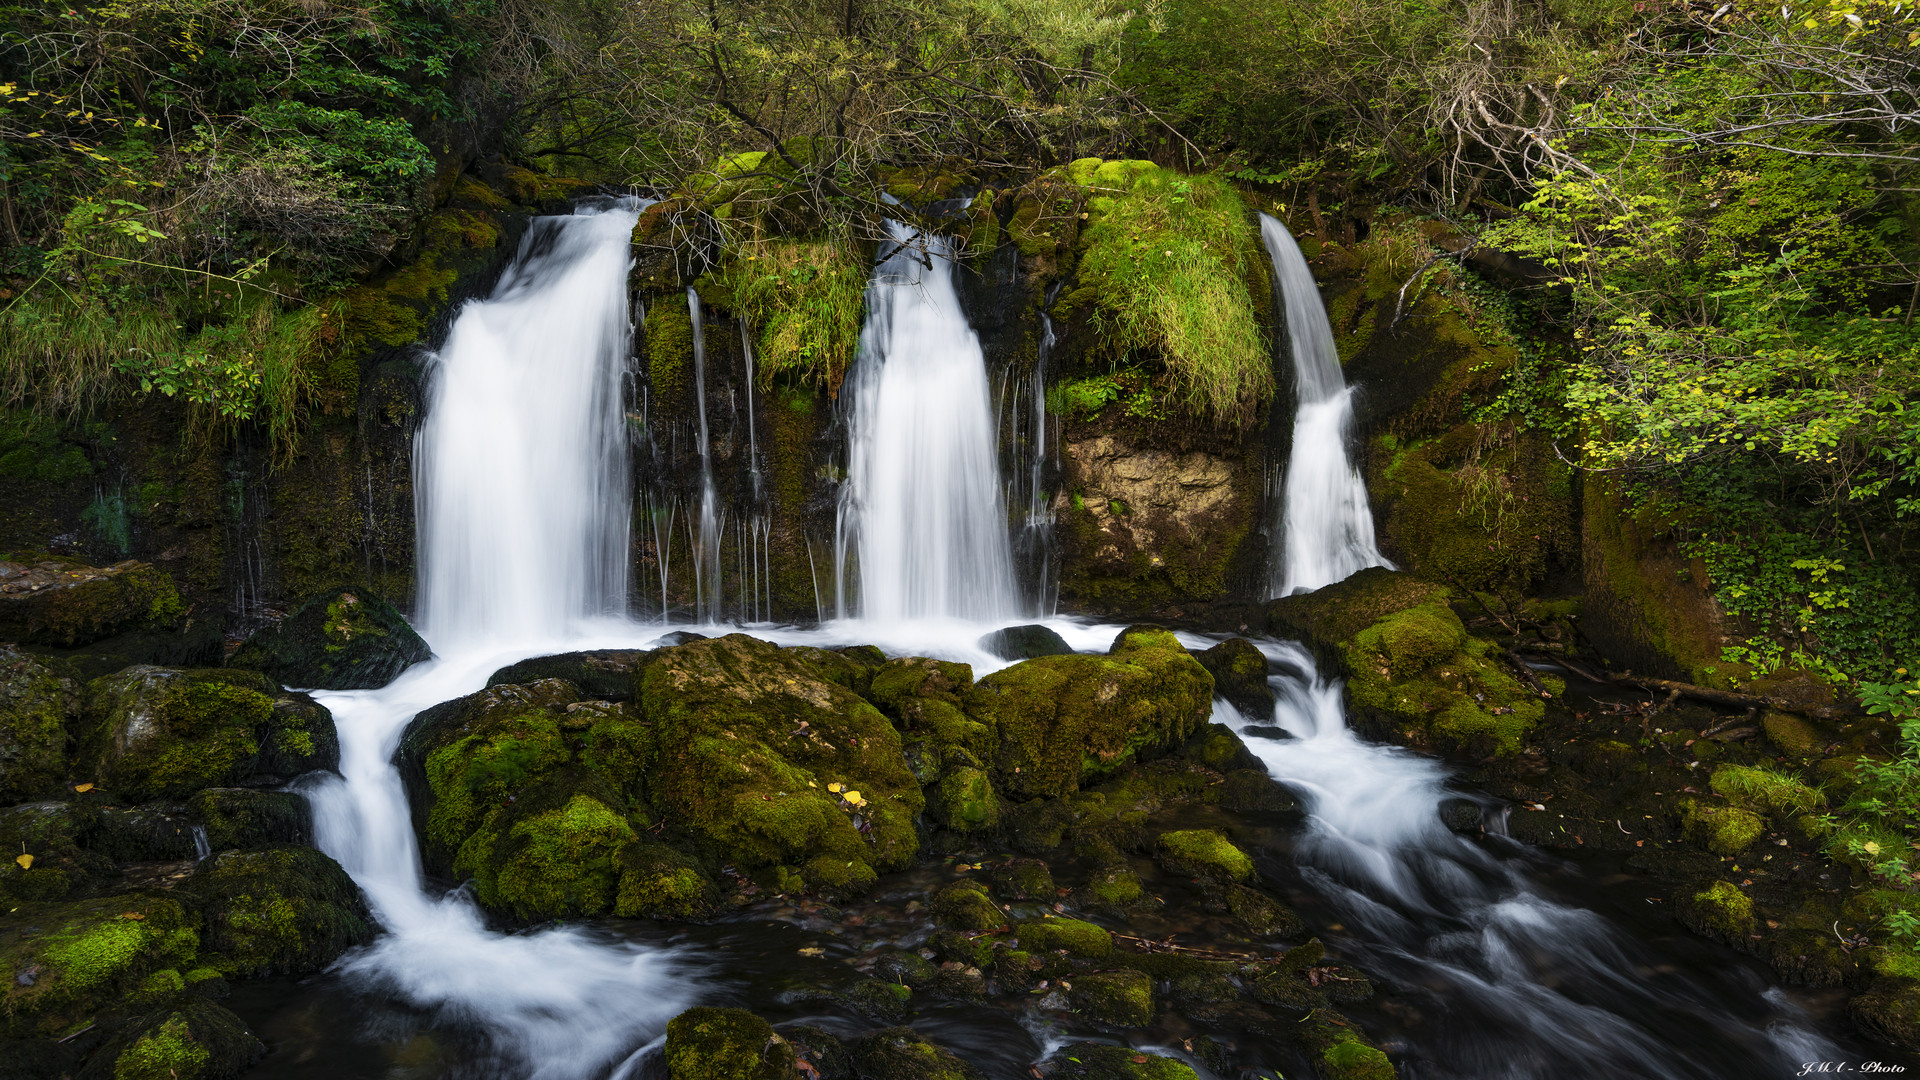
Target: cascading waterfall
point(1326, 523)
point(521, 530)
point(523, 512)
point(921, 514)
point(706, 549)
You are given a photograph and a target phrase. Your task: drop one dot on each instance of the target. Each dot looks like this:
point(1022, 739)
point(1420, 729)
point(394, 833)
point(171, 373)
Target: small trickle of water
point(921, 511)
point(201, 847)
point(1326, 523)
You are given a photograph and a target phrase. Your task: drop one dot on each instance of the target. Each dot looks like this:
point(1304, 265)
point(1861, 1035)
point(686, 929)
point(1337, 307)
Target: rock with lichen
point(706, 1043)
point(346, 638)
point(36, 705)
point(277, 911)
point(65, 603)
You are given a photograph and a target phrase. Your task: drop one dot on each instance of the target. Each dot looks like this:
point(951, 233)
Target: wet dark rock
point(342, 639)
point(819, 1050)
point(1890, 1010)
point(152, 733)
point(705, 1043)
point(1025, 643)
point(1024, 879)
point(246, 818)
point(88, 957)
point(873, 999)
point(1102, 1061)
point(965, 905)
point(1119, 998)
point(280, 911)
point(962, 982)
point(676, 637)
point(1262, 915)
point(1240, 675)
point(64, 603)
point(606, 674)
point(1460, 815)
point(36, 706)
point(60, 836)
point(193, 1040)
point(901, 1053)
point(1218, 748)
point(907, 968)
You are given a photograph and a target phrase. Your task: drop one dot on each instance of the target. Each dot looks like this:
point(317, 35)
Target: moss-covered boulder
point(706, 1043)
point(36, 705)
point(1413, 672)
point(279, 911)
point(1239, 672)
point(1346, 1057)
point(1723, 830)
point(60, 839)
point(342, 639)
point(1120, 998)
point(1025, 643)
point(1102, 1061)
point(249, 818)
point(1072, 936)
point(1203, 853)
point(766, 763)
point(964, 801)
point(1719, 911)
point(193, 1040)
point(152, 733)
point(600, 673)
point(63, 963)
point(1062, 721)
point(1890, 1010)
point(541, 799)
point(965, 905)
point(67, 604)
point(902, 1053)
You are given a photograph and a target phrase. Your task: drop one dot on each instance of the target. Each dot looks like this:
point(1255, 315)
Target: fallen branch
point(1727, 698)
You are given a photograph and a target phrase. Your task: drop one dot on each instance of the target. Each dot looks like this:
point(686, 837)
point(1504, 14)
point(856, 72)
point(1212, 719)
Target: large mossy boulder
point(1413, 672)
point(540, 798)
point(1061, 721)
point(65, 962)
point(36, 705)
point(706, 1043)
point(901, 1053)
point(600, 673)
point(159, 733)
point(1239, 671)
point(342, 639)
point(766, 763)
point(194, 1039)
point(278, 911)
point(67, 604)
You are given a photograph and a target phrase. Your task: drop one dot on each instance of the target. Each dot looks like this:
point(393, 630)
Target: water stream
point(1326, 525)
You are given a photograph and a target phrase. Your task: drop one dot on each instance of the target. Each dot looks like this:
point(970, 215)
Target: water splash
point(1326, 525)
point(922, 522)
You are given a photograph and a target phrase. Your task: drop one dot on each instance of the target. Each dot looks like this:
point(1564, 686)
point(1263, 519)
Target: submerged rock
point(1102, 1061)
point(36, 705)
point(1025, 643)
point(342, 639)
point(161, 733)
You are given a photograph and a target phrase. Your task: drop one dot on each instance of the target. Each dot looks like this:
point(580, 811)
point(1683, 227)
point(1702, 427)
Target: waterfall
point(523, 510)
point(1326, 525)
point(706, 549)
point(921, 514)
point(521, 465)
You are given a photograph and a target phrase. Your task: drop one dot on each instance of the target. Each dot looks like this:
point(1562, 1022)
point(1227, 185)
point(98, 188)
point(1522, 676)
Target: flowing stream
point(523, 512)
point(1326, 526)
point(922, 507)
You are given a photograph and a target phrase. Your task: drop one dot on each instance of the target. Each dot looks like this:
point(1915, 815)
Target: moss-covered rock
point(1025, 643)
point(1067, 720)
point(1240, 675)
point(247, 818)
point(61, 838)
point(1203, 853)
point(194, 1040)
point(342, 639)
point(1102, 1061)
point(1765, 791)
point(705, 1043)
point(1719, 911)
point(1723, 830)
point(1075, 937)
point(36, 705)
point(964, 801)
point(767, 763)
point(155, 733)
point(606, 674)
point(1262, 915)
point(65, 962)
point(902, 1053)
point(1120, 998)
point(67, 604)
point(279, 911)
point(1348, 1058)
point(965, 905)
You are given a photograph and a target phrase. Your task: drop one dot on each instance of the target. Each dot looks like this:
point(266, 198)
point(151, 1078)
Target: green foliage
point(806, 298)
point(1167, 259)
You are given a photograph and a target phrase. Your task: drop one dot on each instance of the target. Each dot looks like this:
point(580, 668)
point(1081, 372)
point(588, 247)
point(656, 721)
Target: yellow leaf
point(854, 798)
point(25, 861)
point(810, 951)
point(835, 788)
point(134, 915)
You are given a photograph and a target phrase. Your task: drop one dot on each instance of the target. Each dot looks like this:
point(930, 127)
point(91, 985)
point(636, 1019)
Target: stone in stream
point(1025, 643)
point(706, 1043)
point(606, 674)
point(346, 638)
point(1240, 675)
point(1102, 1061)
point(279, 911)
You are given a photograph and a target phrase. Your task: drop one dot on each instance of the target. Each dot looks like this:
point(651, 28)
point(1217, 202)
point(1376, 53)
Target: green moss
point(904, 1054)
point(166, 1053)
point(1261, 914)
point(1719, 911)
point(966, 906)
point(725, 1044)
point(1120, 998)
point(559, 863)
point(1764, 790)
point(158, 733)
point(1723, 830)
point(964, 801)
point(1350, 1059)
point(1416, 639)
point(1479, 505)
point(806, 297)
point(1637, 608)
point(102, 952)
point(1204, 853)
point(1066, 720)
point(35, 707)
point(286, 910)
point(669, 352)
point(1076, 937)
point(1115, 888)
point(657, 882)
